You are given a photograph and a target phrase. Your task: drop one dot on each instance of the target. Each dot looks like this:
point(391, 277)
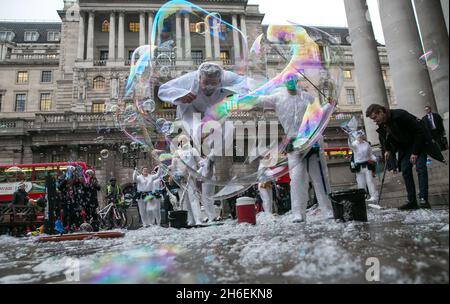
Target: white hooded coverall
point(190, 201)
point(290, 110)
point(173, 90)
point(362, 153)
point(145, 184)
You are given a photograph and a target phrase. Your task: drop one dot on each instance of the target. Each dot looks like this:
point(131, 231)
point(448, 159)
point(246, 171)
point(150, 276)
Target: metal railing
point(100, 62)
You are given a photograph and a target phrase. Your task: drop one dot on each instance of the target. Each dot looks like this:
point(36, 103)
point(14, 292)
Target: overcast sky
point(307, 12)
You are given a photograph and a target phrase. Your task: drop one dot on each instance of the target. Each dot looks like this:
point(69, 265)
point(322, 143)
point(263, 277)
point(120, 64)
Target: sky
point(307, 12)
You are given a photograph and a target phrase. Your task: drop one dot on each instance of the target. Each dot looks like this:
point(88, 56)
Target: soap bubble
point(149, 106)
point(104, 153)
point(123, 149)
point(430, 60)
point(301, 58)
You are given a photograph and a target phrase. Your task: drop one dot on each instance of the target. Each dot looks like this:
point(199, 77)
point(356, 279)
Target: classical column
point(112, 37)
point(90, 37)
point(81, 37)
point(150, 27)
point(412, 85)
point(237, 50)
point(208, 49)
point(435, 38)
point(216, 40)
point(244, 31)
point(141, 28)
point(187, 38)
point(121, 38)
point(178, 37)
point(444, 6)
point(367, 62)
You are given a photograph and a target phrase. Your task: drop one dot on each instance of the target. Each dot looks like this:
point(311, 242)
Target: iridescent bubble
point(99, 139)
point(167, 128)
point(311, 55)
point(160, 123)
point(134, 145)
point(123, 149)
point(163, 59)
point(131, 118)
point(163, 170)
point(104, 153)
point(164, 71)
point(149, 106)
point(14, 169)
point(430, 60)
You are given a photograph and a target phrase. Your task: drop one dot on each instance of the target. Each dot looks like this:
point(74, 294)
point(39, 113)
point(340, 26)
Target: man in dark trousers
point(403, 133)
point(91, 187)
point(435, 124)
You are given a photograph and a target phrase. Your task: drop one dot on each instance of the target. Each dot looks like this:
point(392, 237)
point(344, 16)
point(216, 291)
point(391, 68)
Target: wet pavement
point(410, 247)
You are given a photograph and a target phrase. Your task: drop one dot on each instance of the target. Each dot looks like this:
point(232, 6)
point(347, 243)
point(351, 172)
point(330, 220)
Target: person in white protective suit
point(197, 92)
point(265, 191)
point(154, 206)
point(186, 154)
point(290, 104)
point(362, 153)
point(144, 183)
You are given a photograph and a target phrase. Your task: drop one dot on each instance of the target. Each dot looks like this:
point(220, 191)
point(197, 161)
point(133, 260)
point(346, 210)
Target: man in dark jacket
point(91, 187)
point(435, 124)
point(403, 133)
point(20, 197)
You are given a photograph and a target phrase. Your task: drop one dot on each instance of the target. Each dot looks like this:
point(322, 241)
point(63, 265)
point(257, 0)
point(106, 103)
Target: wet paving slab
point(406, 247)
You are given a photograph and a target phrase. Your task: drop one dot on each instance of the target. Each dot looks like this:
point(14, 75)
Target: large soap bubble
point(230, 109)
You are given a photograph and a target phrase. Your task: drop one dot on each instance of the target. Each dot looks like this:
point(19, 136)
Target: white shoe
point(372, 200)
point(298, 220)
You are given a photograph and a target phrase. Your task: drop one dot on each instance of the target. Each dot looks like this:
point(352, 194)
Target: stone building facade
point(58, 79)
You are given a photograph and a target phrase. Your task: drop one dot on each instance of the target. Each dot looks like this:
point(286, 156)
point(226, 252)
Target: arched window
point(99, 82)
point(105, 26)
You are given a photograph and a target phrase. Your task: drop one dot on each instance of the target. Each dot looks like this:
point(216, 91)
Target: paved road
point(411, 247)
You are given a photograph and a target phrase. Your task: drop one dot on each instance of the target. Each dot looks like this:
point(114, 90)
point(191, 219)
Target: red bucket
point(245, 210)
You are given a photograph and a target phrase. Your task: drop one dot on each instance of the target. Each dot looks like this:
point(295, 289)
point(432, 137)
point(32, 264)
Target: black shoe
point(408, 206)
point(423, 204)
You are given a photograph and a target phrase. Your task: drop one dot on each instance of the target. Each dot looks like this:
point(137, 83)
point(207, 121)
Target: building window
point(6, 35)
point(336, 39)
point(197, 57)
point(46, 76)
point(130, 54)
point(45, 102)
point(193, 27)
point(58, 157)
point(31, 36)
point(94, 160)
point(225, 57)
point(22, 77)
point(20, 102)
point(98, 107)
point(133, 27)
point(104, 55)
point(351, 96)
point(347, 74)
point(105, 26)
point(53, 36)
point(99, 82)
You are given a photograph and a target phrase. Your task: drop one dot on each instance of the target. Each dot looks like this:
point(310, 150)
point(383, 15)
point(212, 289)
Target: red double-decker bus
point(33, 175)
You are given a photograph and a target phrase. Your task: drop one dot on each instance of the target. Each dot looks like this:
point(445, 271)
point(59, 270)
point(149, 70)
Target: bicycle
point(113, 215)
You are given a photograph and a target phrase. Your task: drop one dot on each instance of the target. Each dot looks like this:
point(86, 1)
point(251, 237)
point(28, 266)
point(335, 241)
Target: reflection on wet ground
point(411, 247)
